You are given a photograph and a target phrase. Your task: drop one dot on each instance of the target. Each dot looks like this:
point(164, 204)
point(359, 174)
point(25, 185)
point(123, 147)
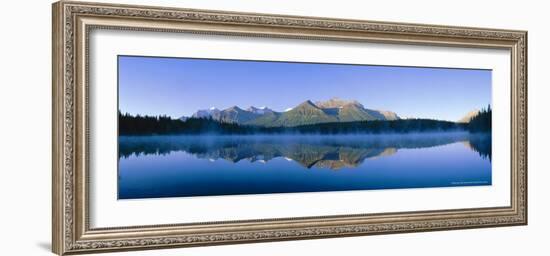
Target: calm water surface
point(179, 166)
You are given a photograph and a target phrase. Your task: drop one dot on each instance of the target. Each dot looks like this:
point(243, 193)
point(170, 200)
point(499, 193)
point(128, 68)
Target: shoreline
point(392, 134)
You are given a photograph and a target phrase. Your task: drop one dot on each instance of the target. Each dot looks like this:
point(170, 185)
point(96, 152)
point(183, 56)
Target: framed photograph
point(179, 127)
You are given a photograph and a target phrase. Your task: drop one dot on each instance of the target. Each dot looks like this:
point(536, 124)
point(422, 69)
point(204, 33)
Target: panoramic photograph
point(212, 127)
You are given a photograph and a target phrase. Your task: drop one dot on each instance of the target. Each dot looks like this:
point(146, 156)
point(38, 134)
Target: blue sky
point(180, 86)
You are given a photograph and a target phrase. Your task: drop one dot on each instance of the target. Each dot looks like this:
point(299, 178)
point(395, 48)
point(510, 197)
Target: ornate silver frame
point(72, 22)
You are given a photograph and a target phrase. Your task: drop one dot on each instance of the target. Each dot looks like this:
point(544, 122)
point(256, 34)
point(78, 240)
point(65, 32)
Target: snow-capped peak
point(260, 110)
point(205, 113)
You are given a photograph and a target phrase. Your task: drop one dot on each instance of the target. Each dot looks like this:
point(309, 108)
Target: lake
point(209, 165)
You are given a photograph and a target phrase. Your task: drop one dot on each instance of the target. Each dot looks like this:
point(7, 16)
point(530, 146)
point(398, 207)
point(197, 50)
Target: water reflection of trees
point(333, 152)
point(480, 143)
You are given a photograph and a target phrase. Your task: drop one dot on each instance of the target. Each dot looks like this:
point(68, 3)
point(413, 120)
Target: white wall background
point(25, 151)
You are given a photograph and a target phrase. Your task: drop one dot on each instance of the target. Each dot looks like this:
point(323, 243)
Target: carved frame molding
point(72, 22)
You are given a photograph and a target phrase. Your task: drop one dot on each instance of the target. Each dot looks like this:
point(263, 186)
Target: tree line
point(164, 125)
point(150, 125)
point(482, 121)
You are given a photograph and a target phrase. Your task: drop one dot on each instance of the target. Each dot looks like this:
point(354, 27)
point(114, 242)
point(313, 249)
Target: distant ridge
point(468, 117)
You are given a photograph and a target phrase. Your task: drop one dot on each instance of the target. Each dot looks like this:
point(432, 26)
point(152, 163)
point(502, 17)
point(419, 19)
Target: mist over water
point(175, 166)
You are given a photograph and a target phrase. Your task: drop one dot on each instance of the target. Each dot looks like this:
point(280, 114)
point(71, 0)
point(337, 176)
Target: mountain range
point(306, 113)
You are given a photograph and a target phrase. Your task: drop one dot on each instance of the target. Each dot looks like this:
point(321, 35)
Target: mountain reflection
point(332, 152)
